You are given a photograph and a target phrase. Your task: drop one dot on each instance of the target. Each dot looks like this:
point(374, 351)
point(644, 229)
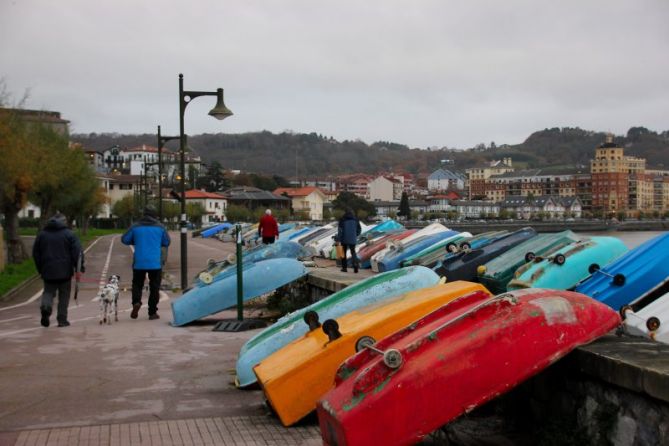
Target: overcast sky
point(421, 73)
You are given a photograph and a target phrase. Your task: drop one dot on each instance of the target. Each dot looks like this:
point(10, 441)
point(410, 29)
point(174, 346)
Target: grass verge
point(14, 275)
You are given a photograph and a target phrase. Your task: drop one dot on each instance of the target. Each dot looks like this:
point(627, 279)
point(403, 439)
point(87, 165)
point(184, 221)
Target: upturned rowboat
point(453, 360)
point(297, 376)
point(393, 259)
point(464, 265)
point(567, 266)
point(652, 321)
point(628, 279)
point(497, 273)
point(293, 326)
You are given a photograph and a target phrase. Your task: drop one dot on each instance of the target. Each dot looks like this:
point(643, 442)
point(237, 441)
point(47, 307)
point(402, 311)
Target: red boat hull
point(452, 362)
point(368, 251)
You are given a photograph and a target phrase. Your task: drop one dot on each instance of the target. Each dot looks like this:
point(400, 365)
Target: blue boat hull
point(644, 268)
point(393, 259)
point(291, 327)
point(215, 230)
point(258, 278)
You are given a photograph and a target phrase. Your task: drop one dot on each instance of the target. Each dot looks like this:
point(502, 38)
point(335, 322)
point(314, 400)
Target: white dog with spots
point(109, 300)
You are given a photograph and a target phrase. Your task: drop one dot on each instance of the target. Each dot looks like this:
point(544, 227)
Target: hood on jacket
point(56, 222)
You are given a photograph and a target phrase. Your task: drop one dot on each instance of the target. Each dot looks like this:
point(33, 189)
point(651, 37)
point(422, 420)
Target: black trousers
point(268, 240)
point(138, 276)
point(354, 257)
point(61, 288)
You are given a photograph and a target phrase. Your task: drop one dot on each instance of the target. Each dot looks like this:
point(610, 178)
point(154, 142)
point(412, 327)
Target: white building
point(213, 204)
point(444, 179)
point(385, 189)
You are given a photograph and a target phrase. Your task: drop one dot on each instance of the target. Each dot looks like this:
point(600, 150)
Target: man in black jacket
point(56, 253)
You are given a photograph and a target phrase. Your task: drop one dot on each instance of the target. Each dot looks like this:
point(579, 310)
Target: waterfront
point(631, 239)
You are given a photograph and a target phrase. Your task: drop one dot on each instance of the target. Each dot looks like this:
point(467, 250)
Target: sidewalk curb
point(19, 288)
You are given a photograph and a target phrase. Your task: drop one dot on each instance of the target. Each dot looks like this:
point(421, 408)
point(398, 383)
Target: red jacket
point(268, 227)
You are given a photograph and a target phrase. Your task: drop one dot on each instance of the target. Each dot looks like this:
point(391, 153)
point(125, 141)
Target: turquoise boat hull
point(292, 326)
point(258, 278)
point(278, 250)
point(579, 256)
point(499, 271)
point(639, 272)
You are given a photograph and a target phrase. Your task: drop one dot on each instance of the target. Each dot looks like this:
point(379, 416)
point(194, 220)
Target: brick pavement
point(233, 431)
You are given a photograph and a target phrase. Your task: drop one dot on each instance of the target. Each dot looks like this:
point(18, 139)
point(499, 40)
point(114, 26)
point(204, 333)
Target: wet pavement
point(126, 383)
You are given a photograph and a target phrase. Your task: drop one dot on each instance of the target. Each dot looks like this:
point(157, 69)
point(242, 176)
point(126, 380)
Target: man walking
point(148, 236)
point(268, 228)
point(348, 231)
point(56, 253)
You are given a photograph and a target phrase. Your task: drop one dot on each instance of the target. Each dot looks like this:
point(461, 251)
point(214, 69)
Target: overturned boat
point(567, 266)
point(297, 376)
point(295, 325)
point(453, 360)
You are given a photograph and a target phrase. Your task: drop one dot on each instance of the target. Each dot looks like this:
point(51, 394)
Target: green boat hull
point(499, 272)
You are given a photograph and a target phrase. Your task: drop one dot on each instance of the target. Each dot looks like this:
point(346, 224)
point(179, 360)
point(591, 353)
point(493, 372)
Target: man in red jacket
point(268, 228)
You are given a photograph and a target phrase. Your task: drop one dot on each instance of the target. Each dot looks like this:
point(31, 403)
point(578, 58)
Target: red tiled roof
point(195, 194)
point(295, 192)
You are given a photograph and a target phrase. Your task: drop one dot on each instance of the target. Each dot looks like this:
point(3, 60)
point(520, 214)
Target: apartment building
point(477, 176)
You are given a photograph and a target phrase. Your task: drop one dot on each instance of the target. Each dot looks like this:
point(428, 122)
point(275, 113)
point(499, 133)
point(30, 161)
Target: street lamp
point(161, 143)
point(220, 112)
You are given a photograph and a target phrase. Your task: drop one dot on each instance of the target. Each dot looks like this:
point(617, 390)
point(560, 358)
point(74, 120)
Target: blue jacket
point(148, 236)
point(348, 230)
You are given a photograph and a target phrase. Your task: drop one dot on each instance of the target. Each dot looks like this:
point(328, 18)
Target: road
point(132, 370)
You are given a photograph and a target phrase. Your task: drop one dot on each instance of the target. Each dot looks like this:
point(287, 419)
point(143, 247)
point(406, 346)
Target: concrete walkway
point(134, 381)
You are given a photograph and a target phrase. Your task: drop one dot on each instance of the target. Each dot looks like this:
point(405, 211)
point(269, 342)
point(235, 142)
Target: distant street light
point(220, 112)
point(161, 143)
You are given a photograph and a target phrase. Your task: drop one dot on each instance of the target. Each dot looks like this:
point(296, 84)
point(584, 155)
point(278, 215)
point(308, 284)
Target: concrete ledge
point(636, 364)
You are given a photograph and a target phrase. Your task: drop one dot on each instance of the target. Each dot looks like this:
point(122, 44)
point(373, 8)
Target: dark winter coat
point(56, 251)
point(349, 229)
point(148, 236)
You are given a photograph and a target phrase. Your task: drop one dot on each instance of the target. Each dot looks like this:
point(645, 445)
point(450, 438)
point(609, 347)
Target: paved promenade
point(132, 382)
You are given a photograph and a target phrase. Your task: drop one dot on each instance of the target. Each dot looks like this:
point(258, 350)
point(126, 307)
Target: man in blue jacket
point(148, 236)
point(56, 252)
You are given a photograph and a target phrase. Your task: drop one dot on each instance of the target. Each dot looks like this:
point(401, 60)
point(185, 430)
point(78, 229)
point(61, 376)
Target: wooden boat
point(569, 265)
point(652, 321)
point(258, 278)
point(437, 251)
point(628, 279)
point(220, 270)
point(292, 326)
point(375, 245)
point(297, 376)
point(497, 273)
point(450, 362)
point(427, 230)
point(464, 265)
point(393, 259)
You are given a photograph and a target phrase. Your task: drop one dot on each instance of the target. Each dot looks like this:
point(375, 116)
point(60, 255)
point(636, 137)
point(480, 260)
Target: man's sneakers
point(63, 324)
point(46, 312)
point(153, 316)
point(135, 310)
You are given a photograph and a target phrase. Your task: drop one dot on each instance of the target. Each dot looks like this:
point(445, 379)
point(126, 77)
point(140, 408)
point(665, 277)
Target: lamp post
point(161, 143)
point(220, 112)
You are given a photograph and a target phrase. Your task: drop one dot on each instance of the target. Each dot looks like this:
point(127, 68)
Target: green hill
point(311, 154)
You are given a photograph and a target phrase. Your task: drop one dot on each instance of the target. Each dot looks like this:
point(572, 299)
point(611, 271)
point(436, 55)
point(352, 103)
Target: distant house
point(253, 198)
point(214, 204)
point(441, 202)
point(390, 208)
point(474, 208)
point(444, 179)
point(548, 205)
point(385, 189)
point(305, 199)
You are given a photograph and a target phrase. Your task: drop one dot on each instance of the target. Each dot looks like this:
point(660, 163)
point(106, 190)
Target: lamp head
point(220, 111)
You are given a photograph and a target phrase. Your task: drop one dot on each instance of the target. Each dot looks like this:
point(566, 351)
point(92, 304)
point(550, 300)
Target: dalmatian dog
point(109, 300)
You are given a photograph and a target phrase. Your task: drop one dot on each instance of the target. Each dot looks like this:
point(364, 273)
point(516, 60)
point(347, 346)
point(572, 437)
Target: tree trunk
point(16, 250)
